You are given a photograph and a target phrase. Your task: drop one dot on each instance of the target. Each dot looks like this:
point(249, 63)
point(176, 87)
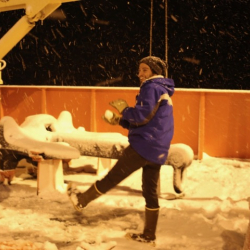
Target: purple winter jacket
point(150, 122)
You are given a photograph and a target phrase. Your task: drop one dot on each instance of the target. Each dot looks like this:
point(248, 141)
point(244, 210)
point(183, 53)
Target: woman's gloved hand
point(119, 105)
point(111, 117)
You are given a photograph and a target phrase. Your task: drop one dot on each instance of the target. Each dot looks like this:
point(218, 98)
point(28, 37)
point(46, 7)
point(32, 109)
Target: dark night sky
point(102, 40)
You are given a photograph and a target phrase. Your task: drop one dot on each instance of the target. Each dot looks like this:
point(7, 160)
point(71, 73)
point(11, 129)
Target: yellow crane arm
point(34, 11)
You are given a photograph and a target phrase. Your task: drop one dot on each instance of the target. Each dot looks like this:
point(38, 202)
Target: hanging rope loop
point(166, 35)
point(151, 28)
point(166, 32)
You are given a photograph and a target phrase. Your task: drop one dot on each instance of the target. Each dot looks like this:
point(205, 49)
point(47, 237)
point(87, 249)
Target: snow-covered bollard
point(180, 156)
point(53, 171)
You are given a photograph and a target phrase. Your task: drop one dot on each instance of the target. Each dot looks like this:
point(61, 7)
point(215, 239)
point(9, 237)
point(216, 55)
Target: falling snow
point(80, 36)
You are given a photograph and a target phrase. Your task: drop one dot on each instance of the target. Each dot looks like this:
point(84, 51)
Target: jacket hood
point(166, 83)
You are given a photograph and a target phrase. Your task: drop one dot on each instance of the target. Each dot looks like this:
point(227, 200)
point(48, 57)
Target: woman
point(151, 127)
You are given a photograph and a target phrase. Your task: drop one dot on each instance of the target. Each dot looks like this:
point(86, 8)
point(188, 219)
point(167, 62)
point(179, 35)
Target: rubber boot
point(151, 219)
point(81, 200)
point(148, 235)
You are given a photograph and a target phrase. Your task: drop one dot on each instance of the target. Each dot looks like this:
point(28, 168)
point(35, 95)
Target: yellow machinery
point(35, 10)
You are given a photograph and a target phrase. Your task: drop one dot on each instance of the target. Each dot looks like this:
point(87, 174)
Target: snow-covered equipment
point(48, 140)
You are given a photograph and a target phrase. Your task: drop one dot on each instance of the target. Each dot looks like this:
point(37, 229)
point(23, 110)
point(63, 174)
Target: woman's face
point(144, 72)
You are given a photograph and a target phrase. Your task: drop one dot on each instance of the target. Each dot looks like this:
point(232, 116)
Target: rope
point(166, 31)
point(151, 28)
point(166, 35)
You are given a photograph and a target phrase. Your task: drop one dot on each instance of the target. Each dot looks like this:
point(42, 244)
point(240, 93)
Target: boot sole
point(151, 243)
point(70, 191)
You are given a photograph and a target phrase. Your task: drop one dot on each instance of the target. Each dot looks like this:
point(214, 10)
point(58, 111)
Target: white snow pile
point(213, 214)
point(57, 138)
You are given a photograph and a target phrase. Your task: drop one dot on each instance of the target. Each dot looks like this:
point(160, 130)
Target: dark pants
point(129, 162)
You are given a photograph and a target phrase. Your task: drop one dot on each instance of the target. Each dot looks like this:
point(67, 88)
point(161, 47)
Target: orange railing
point(216, 122)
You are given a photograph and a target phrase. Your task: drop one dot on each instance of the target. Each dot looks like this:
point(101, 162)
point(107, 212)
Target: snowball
point(108, 114)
